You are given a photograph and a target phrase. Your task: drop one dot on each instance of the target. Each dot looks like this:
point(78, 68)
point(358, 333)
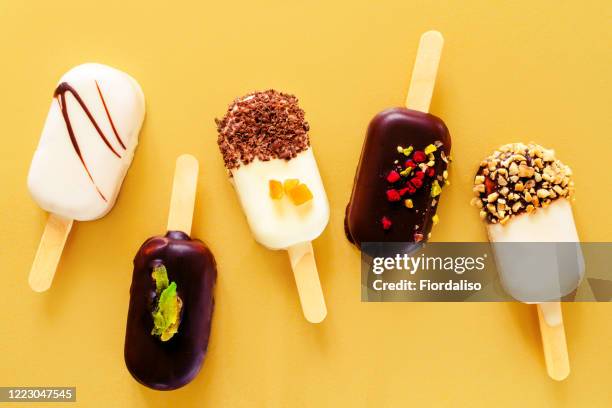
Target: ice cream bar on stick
point(171, 296)
point(264, 141)
point(523, 192)
point(403, 164)
point(85, 149)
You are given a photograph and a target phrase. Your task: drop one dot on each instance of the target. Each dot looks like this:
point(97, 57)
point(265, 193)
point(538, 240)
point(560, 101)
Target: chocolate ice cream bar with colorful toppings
point(403, 164)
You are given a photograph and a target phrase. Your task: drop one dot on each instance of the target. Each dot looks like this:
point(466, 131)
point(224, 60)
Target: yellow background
point(510, 71)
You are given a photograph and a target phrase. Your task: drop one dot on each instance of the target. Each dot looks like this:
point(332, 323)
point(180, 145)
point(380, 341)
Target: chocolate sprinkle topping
point(262, 125)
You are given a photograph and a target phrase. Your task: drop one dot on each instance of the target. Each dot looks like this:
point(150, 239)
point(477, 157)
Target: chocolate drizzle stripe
point(60, 95)
point(65, 87)
point(108, 115)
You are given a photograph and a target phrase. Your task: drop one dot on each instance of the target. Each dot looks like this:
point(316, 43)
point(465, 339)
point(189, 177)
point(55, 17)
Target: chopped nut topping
point(558, 190)
point(519, 178)
point(513, 169)
point(525, 171)
point(479, 188)
point(543, 193)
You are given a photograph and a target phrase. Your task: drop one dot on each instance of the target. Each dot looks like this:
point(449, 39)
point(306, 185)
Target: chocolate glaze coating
point(389, 129)
point(171, 364)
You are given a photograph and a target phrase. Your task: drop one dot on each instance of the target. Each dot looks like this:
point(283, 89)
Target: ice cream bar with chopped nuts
point(85, 149)
point(403, 164)
point(264, 141)
point(171, 296)
point(523, 193)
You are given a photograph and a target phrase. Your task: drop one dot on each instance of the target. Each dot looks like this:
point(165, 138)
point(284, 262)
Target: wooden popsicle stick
point(306, 276)
point(184, 188)
point(425, 71)
point(553, 340)
point(49, 252)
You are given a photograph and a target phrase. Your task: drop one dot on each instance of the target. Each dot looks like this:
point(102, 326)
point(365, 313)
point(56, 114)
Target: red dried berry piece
point(393, 176)
point(411, 164)
point(403, 191)
point(419, 174)
point(393, 195)
point(386, 223)
point(417, 182)
point(410, 188)
point(431, 172)
point(419, 156)
point(489, 185)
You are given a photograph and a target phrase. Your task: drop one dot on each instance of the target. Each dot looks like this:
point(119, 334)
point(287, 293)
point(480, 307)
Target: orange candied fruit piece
point(300, 194)
point(276, 189)
point(290, 184)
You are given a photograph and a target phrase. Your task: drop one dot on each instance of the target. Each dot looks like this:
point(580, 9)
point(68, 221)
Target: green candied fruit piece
point(160, 276)
point(166, 314)
point(173, 328)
